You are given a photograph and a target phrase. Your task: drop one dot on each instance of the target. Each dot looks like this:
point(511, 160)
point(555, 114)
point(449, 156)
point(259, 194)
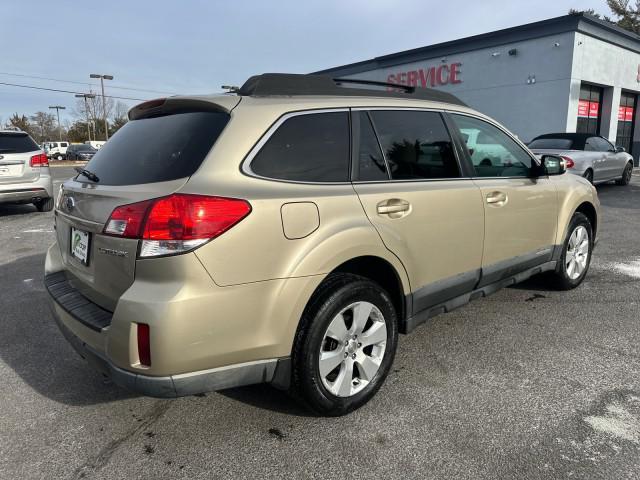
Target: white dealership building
point(573, 73)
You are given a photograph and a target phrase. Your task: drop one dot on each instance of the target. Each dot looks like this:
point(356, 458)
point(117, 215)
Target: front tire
point(344, 346)
point(626, 175)
point(575, 259)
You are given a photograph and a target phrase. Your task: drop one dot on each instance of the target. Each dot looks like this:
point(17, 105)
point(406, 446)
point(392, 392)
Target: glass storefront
point(626, 112)
point(589, 109)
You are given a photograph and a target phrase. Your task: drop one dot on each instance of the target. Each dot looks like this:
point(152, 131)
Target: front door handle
point(394, 207)
point(497, 199)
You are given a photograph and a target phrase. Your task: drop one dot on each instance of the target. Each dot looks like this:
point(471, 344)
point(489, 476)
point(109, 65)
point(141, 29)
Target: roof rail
point(290, 84)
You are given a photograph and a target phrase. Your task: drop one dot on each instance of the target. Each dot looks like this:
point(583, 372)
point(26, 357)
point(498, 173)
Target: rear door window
point(311, 147)
point(17, 143)
point(156, 149)
point(416, 144)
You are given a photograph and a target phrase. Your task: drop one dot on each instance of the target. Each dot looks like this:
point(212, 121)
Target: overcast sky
point(190, 46)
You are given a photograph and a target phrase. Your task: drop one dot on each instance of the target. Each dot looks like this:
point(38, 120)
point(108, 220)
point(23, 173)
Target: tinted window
point(551, 143)
point(307, 148)
point(371, 166)
point(63, 144)
point(493, 153)
point(86, 148)
point(416, 144)
point(17, 143)
point(156, 149)
point(597, 144)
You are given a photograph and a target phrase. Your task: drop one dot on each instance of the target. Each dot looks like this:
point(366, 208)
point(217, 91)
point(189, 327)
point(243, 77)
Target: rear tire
point(344, 346)
point(575, 259)
point(58, 157)
point(45, 205)
point(626, 175)
point(589, 175)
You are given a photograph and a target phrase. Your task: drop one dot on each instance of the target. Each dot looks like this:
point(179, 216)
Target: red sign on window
point(583, 108)
point(593, 109)
point(625, 114)
point(628, 114)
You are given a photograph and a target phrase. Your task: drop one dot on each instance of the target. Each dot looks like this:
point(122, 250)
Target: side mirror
point(620, 149)
point(553, 164)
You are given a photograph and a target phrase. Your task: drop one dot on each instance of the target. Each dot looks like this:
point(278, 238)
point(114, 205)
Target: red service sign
point(588, 109)
point(625, 114)
point(447, 74)
point(583, 108)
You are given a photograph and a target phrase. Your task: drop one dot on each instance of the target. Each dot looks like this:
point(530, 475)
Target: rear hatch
point(152, 156)
point(16, 150)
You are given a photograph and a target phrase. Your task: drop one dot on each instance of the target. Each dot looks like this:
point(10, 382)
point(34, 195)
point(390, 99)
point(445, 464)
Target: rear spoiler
point(168, 106)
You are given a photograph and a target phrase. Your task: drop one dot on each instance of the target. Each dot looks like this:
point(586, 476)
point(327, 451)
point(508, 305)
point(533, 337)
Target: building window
point(626, 112)
point(589, 109)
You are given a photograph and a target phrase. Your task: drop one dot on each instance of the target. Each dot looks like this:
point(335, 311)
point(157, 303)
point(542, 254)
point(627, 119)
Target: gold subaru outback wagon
point(288, 231)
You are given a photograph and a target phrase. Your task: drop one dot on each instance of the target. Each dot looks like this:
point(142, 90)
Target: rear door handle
point(497, 198)
point(394, 207)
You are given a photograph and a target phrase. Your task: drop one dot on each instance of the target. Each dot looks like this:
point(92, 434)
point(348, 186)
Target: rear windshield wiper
point(90, 175)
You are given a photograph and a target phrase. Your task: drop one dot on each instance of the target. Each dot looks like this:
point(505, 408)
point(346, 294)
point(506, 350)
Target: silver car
point(590, 156)
point(24, 171)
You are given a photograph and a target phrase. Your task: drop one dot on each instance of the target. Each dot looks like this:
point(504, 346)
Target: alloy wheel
point(577, 252)
point(352, 349)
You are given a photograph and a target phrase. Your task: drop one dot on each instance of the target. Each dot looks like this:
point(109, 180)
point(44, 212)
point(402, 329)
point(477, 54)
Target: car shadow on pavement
point(266, 397)
point(616, 196)
point(9, 210)
point(33, 347)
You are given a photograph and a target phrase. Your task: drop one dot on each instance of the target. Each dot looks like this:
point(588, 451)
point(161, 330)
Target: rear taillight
point(177, 223)
point(144, 345)
point(39, 160)
point(568, 162)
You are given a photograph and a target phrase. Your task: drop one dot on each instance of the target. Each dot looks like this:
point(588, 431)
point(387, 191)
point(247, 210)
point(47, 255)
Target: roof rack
point(290, 84)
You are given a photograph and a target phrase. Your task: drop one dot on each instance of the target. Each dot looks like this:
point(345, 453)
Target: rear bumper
point(203, 337)
point(176, 385)
point(27, 192)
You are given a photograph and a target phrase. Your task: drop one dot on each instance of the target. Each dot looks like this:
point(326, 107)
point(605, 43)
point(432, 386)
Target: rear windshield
point(83, 148)
point(551, 143)
point(157, 149)
point(17, 143)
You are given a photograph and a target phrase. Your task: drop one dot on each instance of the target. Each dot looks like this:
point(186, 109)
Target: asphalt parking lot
point(528, 383)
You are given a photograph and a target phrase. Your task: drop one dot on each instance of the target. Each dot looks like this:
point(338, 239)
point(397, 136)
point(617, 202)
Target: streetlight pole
point(58, 108)
point(102, 78)
point(86, 108)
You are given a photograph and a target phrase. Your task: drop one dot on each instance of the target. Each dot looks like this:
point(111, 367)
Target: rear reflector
point(39, 160)
point(568, 162)
point(144, 345)
point(177, 223)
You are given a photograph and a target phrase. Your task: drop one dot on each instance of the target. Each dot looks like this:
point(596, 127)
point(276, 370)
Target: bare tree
point(44, 126)
point(93, 110)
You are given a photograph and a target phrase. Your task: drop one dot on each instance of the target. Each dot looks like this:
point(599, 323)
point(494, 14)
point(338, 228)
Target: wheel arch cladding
point(383, 273)
point(589, 211)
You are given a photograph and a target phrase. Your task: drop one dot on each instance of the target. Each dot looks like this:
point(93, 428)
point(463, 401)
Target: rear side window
point(551, 143)
point(17, 143)
point(307, 148)
point(157, 149)
point(371, 165)
point(416, 144)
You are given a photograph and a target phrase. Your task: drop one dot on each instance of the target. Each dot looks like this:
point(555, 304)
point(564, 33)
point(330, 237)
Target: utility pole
point(58, 108)
point(86, 108)
point(104, 101)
